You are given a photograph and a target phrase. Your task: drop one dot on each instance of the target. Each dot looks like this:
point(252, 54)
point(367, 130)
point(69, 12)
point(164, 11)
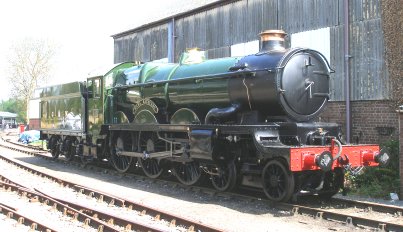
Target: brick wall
point(401, 152)
point(34, 123)
point(370, 120)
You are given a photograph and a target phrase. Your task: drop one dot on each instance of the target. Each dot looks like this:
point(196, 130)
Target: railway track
point(90, 217)
point(35, 196)
point(157, 215)
point(329, 210)
point(22, 219)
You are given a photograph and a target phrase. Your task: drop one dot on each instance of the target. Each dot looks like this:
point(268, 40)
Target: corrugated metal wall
point(146, 45)
point(368, 70)
point(216, 29)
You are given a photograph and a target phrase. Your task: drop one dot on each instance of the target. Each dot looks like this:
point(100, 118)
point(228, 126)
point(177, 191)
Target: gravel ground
point(221, 212)
point(7, 224)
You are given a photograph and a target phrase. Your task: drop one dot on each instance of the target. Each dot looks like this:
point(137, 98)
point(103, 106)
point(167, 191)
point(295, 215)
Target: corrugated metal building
point(231, 27)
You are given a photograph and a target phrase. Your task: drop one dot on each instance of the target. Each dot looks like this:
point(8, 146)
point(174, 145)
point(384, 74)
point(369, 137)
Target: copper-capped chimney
point(272, 40)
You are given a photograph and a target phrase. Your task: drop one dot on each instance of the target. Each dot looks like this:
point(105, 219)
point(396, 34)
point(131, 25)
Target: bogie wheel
point(278, 181)
point(119, 162)
point(187, 173)
point(149, 143)
point(334, 181)
point(225, 177)
point(55, 147)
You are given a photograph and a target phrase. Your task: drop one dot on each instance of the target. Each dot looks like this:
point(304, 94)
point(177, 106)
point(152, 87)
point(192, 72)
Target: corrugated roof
point(180, 9)
point(4, 114)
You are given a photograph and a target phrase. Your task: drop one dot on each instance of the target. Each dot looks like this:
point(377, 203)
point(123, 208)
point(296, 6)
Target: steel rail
point(117, 201)
point(324, 214)
point(370, 206)
point(107, 217)
point(35, 196)
point(319, 213)
point(13, 213)
point(341, 217)
point(156, 213)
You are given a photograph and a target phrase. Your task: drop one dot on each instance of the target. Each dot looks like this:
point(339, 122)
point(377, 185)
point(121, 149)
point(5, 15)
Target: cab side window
point(90, 88)
point(94, 88)
point(44, 109)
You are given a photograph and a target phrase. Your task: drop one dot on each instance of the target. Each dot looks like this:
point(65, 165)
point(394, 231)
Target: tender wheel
point(225, 177)
point(55, 147)
point(278, 181)
point(69, 152)
point(73, 150)
point(150, 143)
point(187, 173)
point(119, 162)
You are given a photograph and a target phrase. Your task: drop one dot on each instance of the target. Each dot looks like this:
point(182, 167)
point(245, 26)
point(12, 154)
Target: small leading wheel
point(225, 177)
point(149, 143)
point(278, 181)
point(187, 173)
point(121, 163)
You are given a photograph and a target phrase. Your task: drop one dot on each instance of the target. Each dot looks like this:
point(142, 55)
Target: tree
point(14, 106)
point(30, 63)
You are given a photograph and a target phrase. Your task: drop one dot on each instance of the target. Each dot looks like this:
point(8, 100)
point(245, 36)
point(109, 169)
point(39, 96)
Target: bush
point(378, 181)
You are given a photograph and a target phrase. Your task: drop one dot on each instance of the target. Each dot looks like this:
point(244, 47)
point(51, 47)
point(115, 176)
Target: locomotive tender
point(240, 120)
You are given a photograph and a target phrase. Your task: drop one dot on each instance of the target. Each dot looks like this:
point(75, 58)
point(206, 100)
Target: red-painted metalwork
point(303, 158)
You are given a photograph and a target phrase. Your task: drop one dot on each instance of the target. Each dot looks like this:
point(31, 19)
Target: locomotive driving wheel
point(278, 181)
point(187, 173)
point(119, 162)
point(149, 143)
point(224, 179)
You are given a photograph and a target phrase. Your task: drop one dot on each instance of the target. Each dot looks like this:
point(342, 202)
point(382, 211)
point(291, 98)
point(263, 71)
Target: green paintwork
point(62, 89)
point(121, 117)
point(169, 88)
point(190, 93)
point(143, 93)
point(62, 107)
point(145, 117)
point(150, 92)
point(99, 109)
point(207, 67)
point(185, 116)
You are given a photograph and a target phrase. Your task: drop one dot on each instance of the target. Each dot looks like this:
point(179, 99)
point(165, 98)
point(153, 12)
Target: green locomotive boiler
point(238, 120)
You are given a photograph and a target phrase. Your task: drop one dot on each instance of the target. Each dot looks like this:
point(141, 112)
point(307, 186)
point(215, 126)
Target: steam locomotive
point(239, 120)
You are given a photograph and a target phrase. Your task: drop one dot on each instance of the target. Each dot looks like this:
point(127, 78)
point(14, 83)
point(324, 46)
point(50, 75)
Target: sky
point(79, 29)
